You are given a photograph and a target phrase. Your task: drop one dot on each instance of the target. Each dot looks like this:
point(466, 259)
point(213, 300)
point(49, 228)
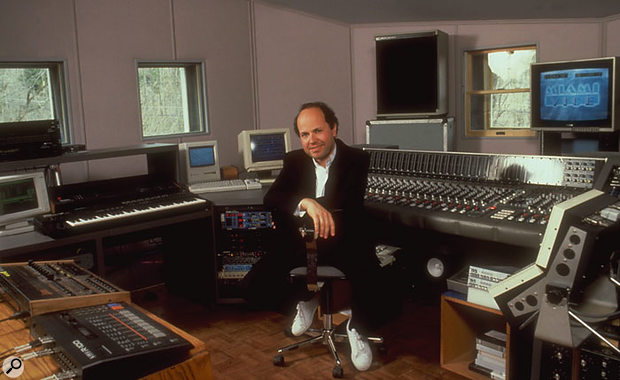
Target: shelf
point(161, 159)
point(461, 322)
point(87, 155)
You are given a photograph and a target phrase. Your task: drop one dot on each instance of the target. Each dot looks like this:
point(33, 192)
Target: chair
point(332, 285)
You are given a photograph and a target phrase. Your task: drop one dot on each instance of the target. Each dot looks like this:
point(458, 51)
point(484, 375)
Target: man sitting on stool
point(326, 175)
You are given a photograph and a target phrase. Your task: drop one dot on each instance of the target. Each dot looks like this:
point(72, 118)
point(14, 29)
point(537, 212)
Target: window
point(497, 96)
point(34, 91)
point(172, 100)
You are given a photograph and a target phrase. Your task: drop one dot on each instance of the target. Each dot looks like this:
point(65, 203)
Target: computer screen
point(263, 149)
point(22, 196)
point(574, 95)
point(199, 162)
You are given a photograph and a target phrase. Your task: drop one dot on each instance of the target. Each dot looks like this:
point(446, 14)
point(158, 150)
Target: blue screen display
point(269, 147)
point(201, 156)
point(574, 95)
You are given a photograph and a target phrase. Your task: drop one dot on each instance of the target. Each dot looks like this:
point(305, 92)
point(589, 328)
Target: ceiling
point(388, 11)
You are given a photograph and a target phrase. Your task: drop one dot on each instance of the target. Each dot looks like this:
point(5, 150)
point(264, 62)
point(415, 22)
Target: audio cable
point(38, 354)
point(61, 376)
point(43, 340)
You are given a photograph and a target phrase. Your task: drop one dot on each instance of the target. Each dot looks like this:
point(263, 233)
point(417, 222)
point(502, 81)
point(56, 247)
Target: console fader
point(501, 198)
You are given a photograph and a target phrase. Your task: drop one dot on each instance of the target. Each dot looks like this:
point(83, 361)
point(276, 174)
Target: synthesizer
point(96, 205)
point(113, 340)
point(46, 286)
point(492, 197)
point(243, 231)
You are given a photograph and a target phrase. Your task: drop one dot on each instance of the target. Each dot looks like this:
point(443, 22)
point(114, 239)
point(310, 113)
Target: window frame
point(469, 92)
point(59, 86)
point(196, 86)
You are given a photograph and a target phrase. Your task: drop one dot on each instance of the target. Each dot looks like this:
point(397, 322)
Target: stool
point(327, 277)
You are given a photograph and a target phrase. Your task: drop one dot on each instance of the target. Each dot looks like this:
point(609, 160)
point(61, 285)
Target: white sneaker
point(361, 354)
point(305, 315)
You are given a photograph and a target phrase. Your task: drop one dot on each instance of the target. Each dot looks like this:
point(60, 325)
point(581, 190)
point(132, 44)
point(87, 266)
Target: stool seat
point(323, 272)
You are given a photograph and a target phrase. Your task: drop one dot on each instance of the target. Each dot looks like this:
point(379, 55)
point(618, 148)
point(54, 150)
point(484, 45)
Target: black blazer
point(344, 195)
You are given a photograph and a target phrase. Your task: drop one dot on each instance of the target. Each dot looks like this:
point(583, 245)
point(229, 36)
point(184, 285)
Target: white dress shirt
point(322, 174)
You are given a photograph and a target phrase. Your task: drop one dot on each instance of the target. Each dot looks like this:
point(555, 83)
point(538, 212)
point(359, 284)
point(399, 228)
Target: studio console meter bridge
point(492, 197)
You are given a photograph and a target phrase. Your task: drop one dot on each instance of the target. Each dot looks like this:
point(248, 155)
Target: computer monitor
point(575, 96)
point(264, 150)
point(199, 162)
point(412, 74)
point(22, 196)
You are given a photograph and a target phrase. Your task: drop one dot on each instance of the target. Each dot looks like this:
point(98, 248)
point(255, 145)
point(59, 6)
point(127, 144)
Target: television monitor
point(412, 75)
point(263, 149)
point(199, 162)
point(574, 96)
point(22, 196)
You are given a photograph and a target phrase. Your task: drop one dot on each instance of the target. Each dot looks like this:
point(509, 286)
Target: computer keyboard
point(224, 185)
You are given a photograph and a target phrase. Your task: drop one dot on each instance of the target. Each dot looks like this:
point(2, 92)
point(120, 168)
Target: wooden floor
point(243, 342)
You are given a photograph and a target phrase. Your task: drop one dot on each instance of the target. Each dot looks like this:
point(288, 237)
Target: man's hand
point(324, 225)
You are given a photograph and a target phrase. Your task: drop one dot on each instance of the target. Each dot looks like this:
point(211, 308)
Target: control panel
point(243, 234)
point(503, 198)
point(114, 340)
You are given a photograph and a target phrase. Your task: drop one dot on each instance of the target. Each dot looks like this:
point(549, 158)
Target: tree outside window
point(172, 99)
point(497, 98)
point(31, 91)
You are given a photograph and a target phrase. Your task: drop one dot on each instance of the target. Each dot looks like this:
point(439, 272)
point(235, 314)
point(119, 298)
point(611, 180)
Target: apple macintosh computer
point(200, 169)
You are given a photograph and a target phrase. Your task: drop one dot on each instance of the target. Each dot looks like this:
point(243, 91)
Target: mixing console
point(45, 286)
point(502, 198)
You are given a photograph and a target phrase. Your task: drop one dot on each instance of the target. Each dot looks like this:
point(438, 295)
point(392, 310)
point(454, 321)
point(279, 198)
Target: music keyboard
point(91, 206)
point(135, 208)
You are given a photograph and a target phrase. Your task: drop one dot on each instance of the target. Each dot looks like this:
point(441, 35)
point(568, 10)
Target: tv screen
point(199, 162)
point(18, 196)
point(22, 196)
point(574, 95)
point(263, 150)
point(267, 147)
point(201, 156)
point(412, 73)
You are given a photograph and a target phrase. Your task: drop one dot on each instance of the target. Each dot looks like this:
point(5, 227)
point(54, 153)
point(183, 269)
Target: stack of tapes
point(490, 355)
point(480, 280)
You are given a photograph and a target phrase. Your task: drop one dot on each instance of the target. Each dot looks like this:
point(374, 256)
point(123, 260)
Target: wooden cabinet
point(461, 322)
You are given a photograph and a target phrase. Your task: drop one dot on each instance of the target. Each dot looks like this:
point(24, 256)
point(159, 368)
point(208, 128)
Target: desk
point(14, 333)
point(236, 198)
point(186, 248)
